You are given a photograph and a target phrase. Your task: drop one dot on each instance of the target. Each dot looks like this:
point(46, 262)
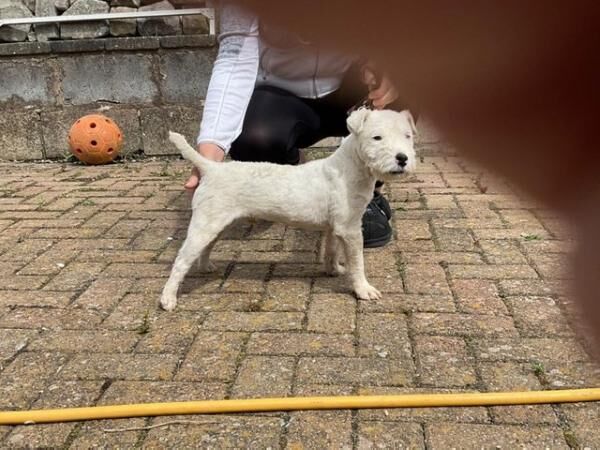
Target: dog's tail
point(189, 153)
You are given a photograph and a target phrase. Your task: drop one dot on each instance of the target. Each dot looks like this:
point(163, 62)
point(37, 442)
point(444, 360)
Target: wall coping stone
point(108, 44)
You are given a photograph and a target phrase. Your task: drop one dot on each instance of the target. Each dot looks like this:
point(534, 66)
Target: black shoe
point(383, 204)
point(376, 227)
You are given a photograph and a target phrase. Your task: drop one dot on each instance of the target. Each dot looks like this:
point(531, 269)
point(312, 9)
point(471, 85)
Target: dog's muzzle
point(401, 161)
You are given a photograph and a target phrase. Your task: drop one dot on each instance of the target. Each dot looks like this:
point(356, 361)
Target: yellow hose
point(298, 403)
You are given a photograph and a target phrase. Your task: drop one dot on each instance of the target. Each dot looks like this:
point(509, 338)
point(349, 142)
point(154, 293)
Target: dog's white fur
point(329, 194)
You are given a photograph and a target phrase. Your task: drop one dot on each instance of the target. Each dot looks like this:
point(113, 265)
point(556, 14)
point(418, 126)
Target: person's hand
point(209, 151)
point(382, 91)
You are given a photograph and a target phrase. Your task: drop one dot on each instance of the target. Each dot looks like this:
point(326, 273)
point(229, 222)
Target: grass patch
point(144, 327)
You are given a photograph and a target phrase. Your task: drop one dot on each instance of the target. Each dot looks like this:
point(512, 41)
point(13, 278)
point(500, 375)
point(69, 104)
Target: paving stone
point(261, 376)
point(169, 333)
point(275, 324)
point(212, 356)
point(425, 279)
point(409, 303)
point(26, 250)
point(386, 285)
point(410, 230)
point(454, 240)
point(538, 316)
point(53, 318)
point(298, 344)
point(12, 341)
point(241, 301)
point(122, 392)
point(69, 394)
point(561, 374)
point(96, 341)
point(478, 297)
point(253, 321)
point(492, 272)
point(477, 436)
point(286, 295)
point(221, 432)
point(103, 294)
point(524, 414)
point(533, 287)
point(75, 276)
point(444, 362)
point(383, 335)
point(308, 429)
point(481, 325)
point(583, 421)
point(24, 379)
point(35, 298)
point(92, 433)
point(358, 371)
point(132, 311)
point(530, 349)
point(509, 376)
point(120, 366)
point(126, 270)
point(502, 252)
point(468, 415)
point(332, 314)
point(390, 435)
point(445, 257)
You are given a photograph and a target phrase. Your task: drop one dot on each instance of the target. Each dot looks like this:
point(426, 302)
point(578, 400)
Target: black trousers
point(278, 123)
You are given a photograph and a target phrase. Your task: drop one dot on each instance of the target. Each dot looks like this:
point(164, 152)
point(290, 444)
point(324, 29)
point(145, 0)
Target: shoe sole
point(379, 242)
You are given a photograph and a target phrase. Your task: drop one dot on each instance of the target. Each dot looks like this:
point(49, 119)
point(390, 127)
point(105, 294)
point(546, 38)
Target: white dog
point(329, 194)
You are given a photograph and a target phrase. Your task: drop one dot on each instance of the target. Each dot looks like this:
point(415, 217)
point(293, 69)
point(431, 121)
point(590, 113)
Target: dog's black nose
point(401, 158)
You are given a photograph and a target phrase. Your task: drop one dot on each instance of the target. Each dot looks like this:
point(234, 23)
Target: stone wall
point(167, 26)
point(146, 84)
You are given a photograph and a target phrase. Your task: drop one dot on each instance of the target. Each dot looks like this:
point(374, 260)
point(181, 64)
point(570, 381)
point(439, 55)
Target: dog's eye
point(377, 138)
point(407, 135)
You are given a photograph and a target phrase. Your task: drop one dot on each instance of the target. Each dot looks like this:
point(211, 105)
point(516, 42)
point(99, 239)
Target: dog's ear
point(411, 121)
point(356, 120)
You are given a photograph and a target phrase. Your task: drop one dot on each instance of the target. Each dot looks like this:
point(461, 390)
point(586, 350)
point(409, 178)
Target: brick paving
point(475, 299)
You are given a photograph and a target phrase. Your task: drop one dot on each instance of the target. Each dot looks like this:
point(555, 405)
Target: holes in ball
point(110, 150)
point(94, 143)
point(93, 125)
point(78, 150)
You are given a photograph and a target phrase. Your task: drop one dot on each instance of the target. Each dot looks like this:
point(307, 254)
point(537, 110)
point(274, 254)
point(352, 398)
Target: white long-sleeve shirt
point(252, 54)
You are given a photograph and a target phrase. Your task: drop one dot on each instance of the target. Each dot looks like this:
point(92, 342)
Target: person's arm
point(231, 85)
point(233, 78)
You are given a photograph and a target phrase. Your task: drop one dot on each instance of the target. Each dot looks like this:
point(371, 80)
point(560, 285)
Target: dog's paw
point(367, 292)
point(207, 268)
point(168, 302)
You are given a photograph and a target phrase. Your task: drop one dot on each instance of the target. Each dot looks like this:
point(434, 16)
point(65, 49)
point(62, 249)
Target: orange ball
point(95, 139)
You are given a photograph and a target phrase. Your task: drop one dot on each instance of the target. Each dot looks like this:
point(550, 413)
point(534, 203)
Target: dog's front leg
point(355, 266)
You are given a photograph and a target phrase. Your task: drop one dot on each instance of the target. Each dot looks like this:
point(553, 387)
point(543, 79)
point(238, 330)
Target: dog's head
point(385, 140)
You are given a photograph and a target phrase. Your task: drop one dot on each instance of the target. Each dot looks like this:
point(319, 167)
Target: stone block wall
point(148, 85)
point(158, 26)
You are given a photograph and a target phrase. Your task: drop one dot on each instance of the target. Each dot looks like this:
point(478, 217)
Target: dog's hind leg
point(355, 266)
point(204, 264)
point(202, 234)
point(331, 248)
